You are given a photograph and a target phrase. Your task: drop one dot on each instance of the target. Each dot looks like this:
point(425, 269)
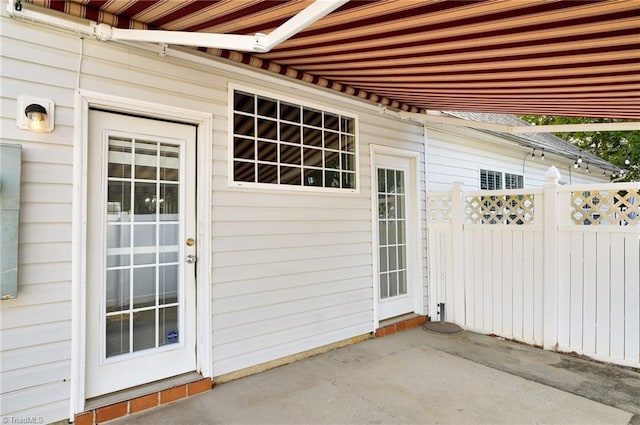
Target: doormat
point(442, 327)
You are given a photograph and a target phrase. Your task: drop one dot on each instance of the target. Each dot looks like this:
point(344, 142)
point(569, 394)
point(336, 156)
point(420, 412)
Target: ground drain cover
point(442, 327)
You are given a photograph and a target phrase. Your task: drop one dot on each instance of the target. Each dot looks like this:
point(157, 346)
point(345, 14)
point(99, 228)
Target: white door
point(141, 253)
point(396, 236)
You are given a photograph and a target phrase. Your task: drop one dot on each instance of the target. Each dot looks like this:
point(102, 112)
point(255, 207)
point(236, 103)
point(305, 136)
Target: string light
point(542, 155)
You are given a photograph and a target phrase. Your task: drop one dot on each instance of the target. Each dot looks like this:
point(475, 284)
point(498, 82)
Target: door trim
point(204, 121)
point(415, 228)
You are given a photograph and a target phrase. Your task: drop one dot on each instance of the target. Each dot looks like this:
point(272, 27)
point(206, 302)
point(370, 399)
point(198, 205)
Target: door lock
point(190, 259)
point(190, 242)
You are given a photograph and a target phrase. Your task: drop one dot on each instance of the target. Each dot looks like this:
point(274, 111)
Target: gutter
point(439, 118)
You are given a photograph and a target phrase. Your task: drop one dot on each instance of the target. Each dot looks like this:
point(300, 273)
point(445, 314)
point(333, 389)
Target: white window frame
point(304, 103)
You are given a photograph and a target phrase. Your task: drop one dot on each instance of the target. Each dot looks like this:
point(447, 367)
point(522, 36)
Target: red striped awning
point(572, 58)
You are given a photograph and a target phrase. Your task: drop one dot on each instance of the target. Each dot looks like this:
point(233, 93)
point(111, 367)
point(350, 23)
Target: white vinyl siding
point(35, 328)
point(455, 154)
point(292, 270)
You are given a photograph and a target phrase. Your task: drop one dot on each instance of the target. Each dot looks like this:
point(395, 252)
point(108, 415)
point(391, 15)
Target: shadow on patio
point(420, 377)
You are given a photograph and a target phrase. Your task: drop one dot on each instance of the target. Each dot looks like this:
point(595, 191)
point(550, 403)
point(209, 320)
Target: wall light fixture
point(35, 114)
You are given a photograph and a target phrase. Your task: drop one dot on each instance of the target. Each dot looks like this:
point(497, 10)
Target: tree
point(621, 148)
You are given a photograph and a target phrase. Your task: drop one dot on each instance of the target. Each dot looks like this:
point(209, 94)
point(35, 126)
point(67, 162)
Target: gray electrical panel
point(10, 164)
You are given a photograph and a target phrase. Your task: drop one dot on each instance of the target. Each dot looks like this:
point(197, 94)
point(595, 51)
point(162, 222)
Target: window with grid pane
point(513, 181)
point(490, 180)
point(283, 143)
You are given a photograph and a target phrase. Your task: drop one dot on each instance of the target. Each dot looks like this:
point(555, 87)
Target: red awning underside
point(573, 58)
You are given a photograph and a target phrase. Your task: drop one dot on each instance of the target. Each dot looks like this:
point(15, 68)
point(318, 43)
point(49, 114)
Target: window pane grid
point(277, 142)
point(142, 234)
point(493, 180)
point(392, 233)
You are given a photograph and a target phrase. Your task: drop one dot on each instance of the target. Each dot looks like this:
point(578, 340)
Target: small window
point(493, 180)
point(513, 181)
point(283, 143)
point(490, 180)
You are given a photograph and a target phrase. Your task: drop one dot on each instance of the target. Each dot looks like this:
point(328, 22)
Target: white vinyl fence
point(557, 267)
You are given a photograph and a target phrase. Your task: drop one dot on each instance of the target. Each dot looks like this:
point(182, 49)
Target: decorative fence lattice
point(500, 209)
point(439, 205)
point(605, 207)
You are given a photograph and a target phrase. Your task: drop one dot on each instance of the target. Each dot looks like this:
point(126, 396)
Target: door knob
point(191, 259)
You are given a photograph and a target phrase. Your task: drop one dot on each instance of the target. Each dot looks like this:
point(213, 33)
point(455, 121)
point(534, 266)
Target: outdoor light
point(579, 160)
point(627, 161)
point(542, 155)
point(35, 114)
point(576, 164)
point(587, 169)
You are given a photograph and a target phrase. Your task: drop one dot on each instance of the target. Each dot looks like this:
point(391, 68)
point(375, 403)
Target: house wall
point(292, 270)
point(456, 154)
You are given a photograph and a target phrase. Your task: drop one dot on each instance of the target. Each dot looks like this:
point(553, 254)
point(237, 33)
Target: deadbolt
point(190, 242)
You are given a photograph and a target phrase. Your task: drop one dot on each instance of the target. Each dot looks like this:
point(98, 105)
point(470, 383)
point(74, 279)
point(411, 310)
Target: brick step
point(400, 323)
point(138, 404)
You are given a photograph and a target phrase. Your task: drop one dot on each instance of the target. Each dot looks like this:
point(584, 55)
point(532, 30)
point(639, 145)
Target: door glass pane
point(119, 158)
point(168, 329)
point(392, 233)
point(118, 245)
point(393, 263)
point(384, 259)
point(117, 341)
point(144, 287)
point(402, 257)
point(119, 201)
point(168, 281)
point(393, 284)
point(144, 242)
point(143, 275)
point(401, 232)
point(168, 241)
point(384, 288)
point(117, 290)
point(144, 326)
point(169, 202)
point(382, 232)
point(146, 160)
point(169, 162)
point(392, 236)
point(145, 200)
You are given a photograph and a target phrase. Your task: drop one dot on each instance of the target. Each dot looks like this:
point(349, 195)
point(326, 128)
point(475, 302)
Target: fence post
point(550, 288)
point(457, 253)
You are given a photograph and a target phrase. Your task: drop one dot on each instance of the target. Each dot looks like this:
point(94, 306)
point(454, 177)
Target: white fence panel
point(593, 284)
point(632, 297)
point(599, 272)
point(503, 264)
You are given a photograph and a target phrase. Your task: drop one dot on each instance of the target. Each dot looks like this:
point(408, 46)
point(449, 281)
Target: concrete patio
point(419, 377)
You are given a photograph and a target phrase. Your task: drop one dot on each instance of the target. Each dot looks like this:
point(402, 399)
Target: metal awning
point(572, 58)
